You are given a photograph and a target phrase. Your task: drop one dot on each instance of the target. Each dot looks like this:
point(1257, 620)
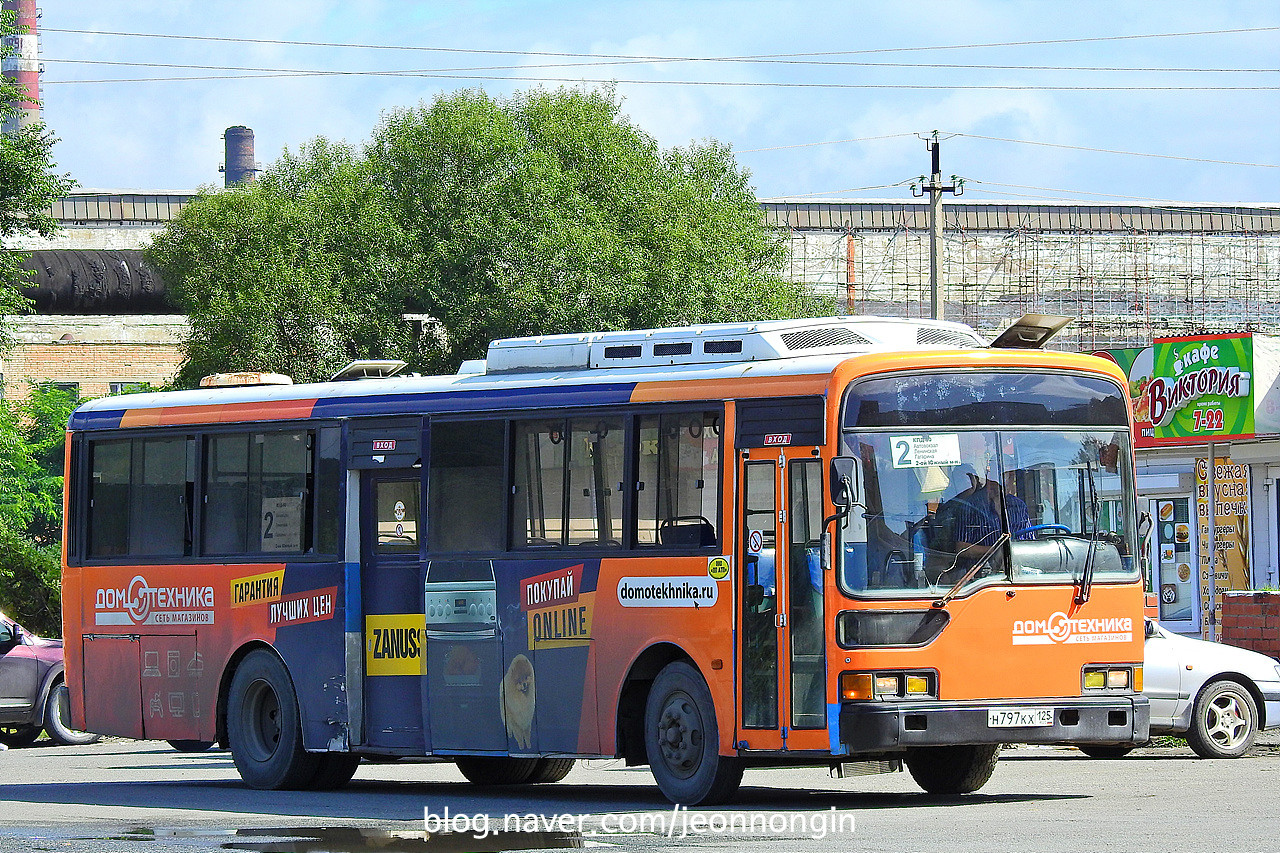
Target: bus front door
point(394, 619)
point(782, 701)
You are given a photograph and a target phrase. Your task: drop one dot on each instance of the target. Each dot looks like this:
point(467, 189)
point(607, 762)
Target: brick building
point(102, 324)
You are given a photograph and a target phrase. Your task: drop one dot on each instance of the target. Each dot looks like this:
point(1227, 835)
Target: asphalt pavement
point(137, 797)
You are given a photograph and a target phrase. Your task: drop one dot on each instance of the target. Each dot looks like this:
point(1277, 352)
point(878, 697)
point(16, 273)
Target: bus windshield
point(1014, 504)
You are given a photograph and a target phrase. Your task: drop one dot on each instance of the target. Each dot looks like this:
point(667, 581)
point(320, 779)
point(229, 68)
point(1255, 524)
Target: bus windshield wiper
point(978, 565)
point(1086, 577)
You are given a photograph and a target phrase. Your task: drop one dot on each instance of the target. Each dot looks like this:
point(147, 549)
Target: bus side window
point(140, 497)
point(678, 493)
point(465, 486)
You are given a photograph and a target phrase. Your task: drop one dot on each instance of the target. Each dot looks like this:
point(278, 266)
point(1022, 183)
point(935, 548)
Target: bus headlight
point(1126, 677)
point(863, 686)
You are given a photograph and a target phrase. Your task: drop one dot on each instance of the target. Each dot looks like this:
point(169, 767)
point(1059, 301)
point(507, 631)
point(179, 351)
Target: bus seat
point(690, 531)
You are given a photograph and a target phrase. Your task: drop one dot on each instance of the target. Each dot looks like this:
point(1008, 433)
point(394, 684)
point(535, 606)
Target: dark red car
point(33, 689)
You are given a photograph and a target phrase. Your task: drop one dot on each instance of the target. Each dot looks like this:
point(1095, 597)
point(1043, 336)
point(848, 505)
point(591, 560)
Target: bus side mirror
point(843, 491)
point(1144, 525)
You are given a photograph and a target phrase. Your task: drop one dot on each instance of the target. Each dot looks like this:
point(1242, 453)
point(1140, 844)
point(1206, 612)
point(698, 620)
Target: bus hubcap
point(264, 720)
point(680, 735)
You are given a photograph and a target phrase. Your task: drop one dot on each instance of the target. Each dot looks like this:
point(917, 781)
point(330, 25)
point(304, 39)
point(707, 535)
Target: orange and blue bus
point(705, 549)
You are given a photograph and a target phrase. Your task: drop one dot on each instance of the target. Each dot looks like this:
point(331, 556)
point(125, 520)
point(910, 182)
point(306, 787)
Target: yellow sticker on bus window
point(394, 644)
point(718, 568)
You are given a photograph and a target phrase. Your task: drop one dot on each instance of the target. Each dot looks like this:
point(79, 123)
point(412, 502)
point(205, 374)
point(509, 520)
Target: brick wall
point(1251, 620)
point(93, 366)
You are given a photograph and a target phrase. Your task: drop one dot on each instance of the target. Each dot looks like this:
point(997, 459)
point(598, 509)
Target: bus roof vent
point(829, 337)
point(244, 379)
point(934, 336)
point(371, 368)
point(718, 343)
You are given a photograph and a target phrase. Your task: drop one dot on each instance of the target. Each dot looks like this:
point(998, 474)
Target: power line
point(721, 83)
point(834, 193)
point(1023, 142)
point(613, 62)
point(831, 142)
point(1036, 43)
point(1116, 151)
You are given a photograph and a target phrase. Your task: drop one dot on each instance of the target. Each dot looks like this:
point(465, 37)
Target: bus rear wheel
point(682, 740)
point(949, 770)
point(549, 770)
point(482, 770)
point(265, 727)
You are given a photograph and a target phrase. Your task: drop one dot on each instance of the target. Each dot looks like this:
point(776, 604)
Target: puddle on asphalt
point(358, 840)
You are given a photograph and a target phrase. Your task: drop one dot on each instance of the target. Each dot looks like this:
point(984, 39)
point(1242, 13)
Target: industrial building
point(1127, 273)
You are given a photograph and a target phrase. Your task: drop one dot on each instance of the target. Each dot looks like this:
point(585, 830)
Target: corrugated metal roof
point(112, 207)
point(1013, 216)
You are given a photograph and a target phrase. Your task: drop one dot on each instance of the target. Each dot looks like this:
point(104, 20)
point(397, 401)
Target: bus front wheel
point(682, 740)
point(265, 726)
point(949, 770)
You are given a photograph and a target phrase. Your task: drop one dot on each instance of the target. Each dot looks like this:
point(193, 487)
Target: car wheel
point(265, 727)
point(19, 735)
point(57, 719)
point(1104, 751)
point(949, 770)
point(682, 740)
point(1224, 721)
point(191, 745)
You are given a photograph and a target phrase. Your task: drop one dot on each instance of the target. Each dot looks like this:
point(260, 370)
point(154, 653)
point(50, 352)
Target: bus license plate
point(1017, 718)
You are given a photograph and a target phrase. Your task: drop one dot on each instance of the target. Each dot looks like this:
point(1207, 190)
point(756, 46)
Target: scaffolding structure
point(1145, 273)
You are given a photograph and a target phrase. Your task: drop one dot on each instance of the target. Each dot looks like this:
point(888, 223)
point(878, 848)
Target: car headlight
point(1278, 672)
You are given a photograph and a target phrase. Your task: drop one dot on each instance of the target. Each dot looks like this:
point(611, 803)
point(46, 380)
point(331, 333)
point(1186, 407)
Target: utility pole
point(934, 186)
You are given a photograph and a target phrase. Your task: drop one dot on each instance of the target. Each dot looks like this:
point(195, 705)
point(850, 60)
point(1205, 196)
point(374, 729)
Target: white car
point(1217, 696)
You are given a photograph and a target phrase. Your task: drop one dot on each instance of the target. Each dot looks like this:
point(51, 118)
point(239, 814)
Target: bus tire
point(483, 770)
point(549, 770)
point(949, 770)
point(191, 745)
point(265, 727)
point(682, 740)
point(1098, 750)
point(335, 770)
point(57, 719)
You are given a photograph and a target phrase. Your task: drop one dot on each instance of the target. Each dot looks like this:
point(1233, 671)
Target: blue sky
point(1041, 142)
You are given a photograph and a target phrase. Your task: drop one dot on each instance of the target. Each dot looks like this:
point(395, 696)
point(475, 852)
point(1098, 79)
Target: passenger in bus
point(973, 520)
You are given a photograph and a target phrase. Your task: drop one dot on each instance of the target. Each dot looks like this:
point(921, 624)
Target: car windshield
point(1008, 506)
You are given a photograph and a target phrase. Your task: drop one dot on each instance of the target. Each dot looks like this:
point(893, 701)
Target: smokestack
point(23, 67)
point(240, 167)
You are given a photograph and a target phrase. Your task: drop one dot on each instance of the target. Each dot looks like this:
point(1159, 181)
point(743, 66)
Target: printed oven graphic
point(464, 656)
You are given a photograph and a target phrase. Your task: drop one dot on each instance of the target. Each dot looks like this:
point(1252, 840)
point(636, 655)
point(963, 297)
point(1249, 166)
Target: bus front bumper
point(888, 726)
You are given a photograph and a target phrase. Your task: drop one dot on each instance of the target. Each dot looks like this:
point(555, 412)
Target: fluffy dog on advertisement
point(516, 697)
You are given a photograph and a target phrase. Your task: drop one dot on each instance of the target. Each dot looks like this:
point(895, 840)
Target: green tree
point(543, 213)
point(550, 212)
point(28, 187)
point(290, 273)
point(32, 442)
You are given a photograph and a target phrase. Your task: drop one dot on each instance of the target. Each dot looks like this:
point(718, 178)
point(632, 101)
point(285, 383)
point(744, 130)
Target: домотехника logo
point(140, 603)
